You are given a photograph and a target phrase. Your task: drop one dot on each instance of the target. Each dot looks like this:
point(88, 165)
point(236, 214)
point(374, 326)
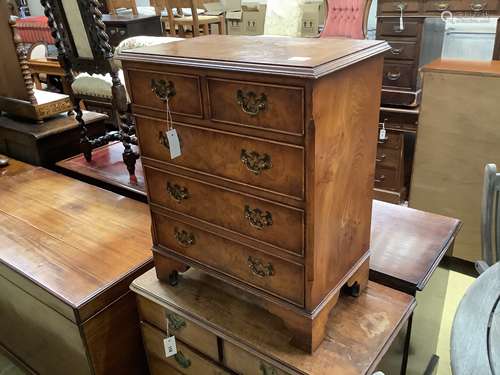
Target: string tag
point(173, 141)
point(169, 343)
point(401, 24)
point(382, 133)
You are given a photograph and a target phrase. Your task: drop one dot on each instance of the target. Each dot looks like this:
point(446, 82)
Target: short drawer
point(245, 363)
point(386, 178)
point(388, 158)
point(399, 75)
point(275, 224)
point(186, 361)
point(393, 139)
point(401, 50)
point(263, 271)
point(273, 107)
point(391, 6)
point(268, 165)
point(147, 89)
point(187, 331)
point(392, 28)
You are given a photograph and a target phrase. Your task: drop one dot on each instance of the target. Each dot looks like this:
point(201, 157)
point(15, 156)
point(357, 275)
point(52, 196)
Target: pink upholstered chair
point(347, 18)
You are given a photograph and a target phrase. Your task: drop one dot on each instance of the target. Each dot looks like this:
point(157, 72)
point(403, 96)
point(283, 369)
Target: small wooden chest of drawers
point(272, 192)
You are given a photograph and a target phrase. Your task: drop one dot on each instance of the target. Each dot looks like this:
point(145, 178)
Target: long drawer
point(392, 6)
point(272, 166)
point(185, 330)
point(392, 28)
point(186, 361)
point(263, 271)
point(149, 87)
point(265, 106)
point(275, 224)
point(401, 50)
point(245, 363)
point(399, 75)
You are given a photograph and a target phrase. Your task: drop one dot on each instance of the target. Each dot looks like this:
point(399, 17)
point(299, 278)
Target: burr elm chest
point(272, 191)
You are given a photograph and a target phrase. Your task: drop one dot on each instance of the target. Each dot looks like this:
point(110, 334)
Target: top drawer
point(273, 107)
point(391, 6)
point(146, 89)
point(392, 28)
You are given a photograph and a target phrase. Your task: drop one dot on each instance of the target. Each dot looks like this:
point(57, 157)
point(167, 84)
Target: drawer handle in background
point(255, 162)
point(260, 269)
point(175, 322)
point(267, 370)
point(257, 218)
point(184, 238)
point(380, 179)
point(477, 7)
point(162, 89)
point(380, 159)
point(442, 6)
point(397, 51)
point(177, 193)
point(250, 104)
point(393, 76)
point(181, 359)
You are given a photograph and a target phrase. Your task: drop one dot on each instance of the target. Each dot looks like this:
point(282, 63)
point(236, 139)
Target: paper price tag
point(173, 143)
point(170, 346)
point(382, 134)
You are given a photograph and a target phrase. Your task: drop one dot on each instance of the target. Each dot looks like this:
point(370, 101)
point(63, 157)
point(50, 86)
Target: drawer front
point(393, 139)
point(263, 271)
point(245, 363)
point(401, 50)
point(387, 157)
point(392, 28)
point(395, 6)
point(399, 75)
point(186, 361)
point(148, 87)
point(386, 178)
point(159, 367)
point(443, 5)
point(276, 224)
point(269, 165)
point(273, 107)
point(185, 330)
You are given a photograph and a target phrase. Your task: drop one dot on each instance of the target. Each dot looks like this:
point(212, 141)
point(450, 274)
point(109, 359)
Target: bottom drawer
point(245, 363)
point(159, 367)
point(186, 361)
point(386, 178)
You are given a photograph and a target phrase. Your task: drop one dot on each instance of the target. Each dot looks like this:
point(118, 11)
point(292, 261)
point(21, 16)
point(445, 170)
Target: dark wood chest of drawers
point(272, 192)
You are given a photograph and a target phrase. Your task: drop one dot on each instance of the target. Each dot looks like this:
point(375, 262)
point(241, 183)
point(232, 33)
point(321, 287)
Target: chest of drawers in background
point(272, 192)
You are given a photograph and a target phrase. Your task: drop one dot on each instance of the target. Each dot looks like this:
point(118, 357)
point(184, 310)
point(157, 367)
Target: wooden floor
point(106, 167)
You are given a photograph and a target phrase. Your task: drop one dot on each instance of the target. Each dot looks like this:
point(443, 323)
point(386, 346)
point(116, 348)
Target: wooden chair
point(490, 219)
point(347, 18)
point(113, 5)
point(38, 50)
point(181, 22)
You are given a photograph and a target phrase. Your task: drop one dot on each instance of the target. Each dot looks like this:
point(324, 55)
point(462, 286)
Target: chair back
point(178, 5)
point(38, 50)
point(490, 219)
point(347, 18)
point(113, 5)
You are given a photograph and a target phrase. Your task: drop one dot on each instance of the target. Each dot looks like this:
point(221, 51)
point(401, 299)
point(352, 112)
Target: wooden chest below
point(272, 192)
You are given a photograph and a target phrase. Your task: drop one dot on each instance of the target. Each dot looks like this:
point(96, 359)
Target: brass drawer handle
point(175, 322)
point(393, 76)
point(184, 238)
point(477, 7)
point(162, 89)
point(162, 138)
point(260, 269)
point(442, 6)
point(397, 51)
point(177, 193)
point(257, 218)
point(250, 104)
point(267, 370)
point(255, 162)
point(182, 360)
point(380, 179)
point(381, 158)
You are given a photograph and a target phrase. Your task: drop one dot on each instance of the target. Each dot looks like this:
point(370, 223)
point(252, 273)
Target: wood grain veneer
point(288, 125)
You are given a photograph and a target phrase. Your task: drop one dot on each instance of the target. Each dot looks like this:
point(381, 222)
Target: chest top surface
point(305, 57)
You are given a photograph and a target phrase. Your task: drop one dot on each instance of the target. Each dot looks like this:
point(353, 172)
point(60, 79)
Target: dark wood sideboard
point(120, 27)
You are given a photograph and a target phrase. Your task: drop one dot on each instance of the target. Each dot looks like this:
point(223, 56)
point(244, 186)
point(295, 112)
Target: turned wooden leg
point(168, 269)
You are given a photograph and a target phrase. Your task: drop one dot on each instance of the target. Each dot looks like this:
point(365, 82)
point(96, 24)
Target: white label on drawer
point(173, 143)
point(170, 346)
point(382, 135)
